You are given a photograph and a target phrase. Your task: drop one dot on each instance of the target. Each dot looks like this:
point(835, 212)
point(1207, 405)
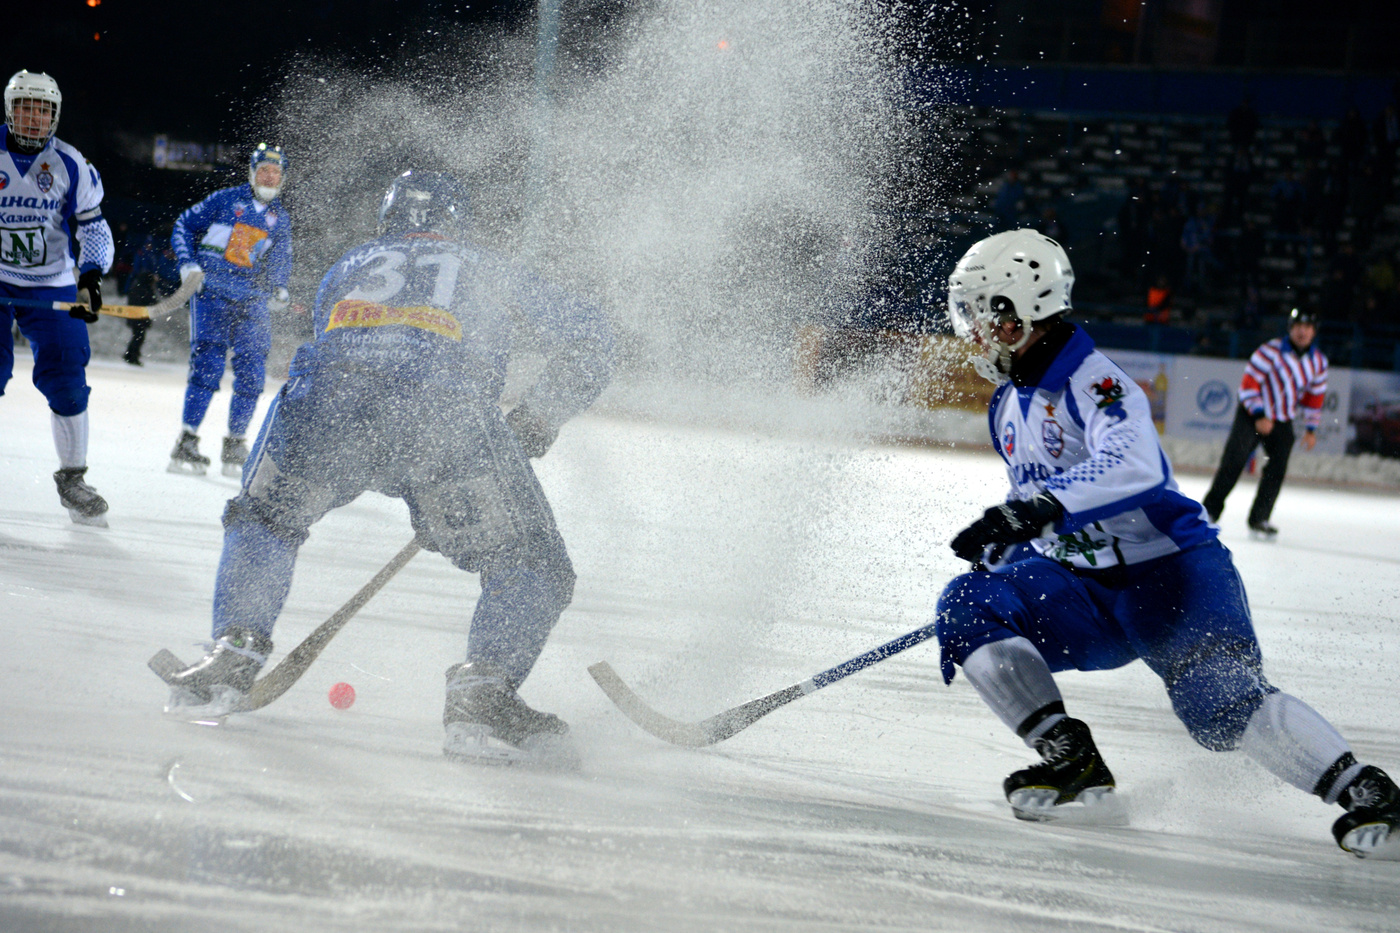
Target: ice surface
point(714, 566)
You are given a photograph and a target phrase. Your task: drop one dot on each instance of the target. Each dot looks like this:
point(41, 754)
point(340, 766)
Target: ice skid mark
point(170, 779)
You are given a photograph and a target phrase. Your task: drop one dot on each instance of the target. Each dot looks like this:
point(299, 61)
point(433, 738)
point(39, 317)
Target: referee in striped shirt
point(1285, 378)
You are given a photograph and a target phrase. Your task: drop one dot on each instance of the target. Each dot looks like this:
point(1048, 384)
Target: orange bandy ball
point(342, 696)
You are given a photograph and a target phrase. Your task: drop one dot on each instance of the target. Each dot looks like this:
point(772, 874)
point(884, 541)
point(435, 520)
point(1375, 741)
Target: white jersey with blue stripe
point(42, 199)
point(1084, 434)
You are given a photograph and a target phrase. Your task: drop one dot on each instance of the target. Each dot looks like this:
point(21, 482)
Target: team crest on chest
point(1053, 437)
point(4, 181)
point(1008, 438)
point(45, 178)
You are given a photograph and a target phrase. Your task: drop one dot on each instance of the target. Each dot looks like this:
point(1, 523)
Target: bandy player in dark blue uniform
point(235, 251)
point(48, 192)
point(399, 393)
point(1097, 559)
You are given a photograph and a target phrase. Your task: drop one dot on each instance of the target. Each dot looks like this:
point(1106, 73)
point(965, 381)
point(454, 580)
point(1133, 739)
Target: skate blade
point(476, 744)
point(233, 469)
point(92, 521)
point(186, 705)
point(1373, 841)
point(1096, 806)
point(188, 469)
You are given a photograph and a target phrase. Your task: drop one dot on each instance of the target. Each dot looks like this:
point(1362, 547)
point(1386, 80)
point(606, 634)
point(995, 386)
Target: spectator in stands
point(1312, 143)
point(1239, 175)
point(1159, 302)
point(1010, 200)
point(1132, 229)
point(1247, 318)
point(1288, 197)
point(1285, 380)
point(1249, 250)
point(1243, 123)
point(1386, 133)
point(1051, 226)
point(1351, 139)
point(1198, 243)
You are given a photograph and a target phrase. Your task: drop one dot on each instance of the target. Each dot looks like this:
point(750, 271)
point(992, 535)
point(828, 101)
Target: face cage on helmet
point(25, 140)
point(973, 320)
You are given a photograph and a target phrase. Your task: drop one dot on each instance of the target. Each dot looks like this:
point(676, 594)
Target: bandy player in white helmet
point(48, 192)
point(1097, 559)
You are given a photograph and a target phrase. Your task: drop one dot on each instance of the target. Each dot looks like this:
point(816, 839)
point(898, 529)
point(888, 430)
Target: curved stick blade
point(692, 735)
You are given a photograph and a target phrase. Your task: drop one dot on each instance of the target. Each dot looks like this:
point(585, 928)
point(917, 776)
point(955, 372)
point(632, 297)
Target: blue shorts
point(1185, 615)
point(59, 343)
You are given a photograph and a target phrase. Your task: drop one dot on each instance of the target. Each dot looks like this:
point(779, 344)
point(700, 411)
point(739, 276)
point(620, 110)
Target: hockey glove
point(90, 281)
point(280, 300)
point(534, 435)
point(1009, 523)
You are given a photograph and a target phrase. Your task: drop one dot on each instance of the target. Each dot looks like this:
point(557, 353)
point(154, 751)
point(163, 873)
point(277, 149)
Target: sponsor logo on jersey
point(26, 248)
point(352, 312)
point(36, 204)
point(1109, 393)
point(1008, 438)
point(1108, 390)
point(4, 181)
point(45, 178)
point(1053, 437)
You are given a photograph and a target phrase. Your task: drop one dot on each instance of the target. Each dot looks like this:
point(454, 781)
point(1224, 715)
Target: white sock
point(70, 439)
point(1013, 679)
point(1292, 740)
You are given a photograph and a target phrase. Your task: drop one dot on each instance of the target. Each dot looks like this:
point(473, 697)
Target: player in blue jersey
point(235, 252)
point(49, 192)
point(1097, 559)
point(399, 393)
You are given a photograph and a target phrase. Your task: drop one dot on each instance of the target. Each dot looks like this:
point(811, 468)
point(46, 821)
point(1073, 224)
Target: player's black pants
point(1278, 444)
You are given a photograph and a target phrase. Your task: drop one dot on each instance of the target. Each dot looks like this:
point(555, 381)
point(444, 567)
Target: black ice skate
point(1072, 771)
point(1262, 530)
point(186, 458)
point(216, 684)
point(1371, 826)
point(486, 721)
point(234, 454)
point(83, 503)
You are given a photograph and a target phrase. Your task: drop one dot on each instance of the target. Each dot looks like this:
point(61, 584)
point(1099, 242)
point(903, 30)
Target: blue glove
point(1009, 523)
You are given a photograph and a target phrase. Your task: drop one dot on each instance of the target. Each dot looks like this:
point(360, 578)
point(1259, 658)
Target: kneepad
point(1215, 693)
point(973, 611)
point(286, 505)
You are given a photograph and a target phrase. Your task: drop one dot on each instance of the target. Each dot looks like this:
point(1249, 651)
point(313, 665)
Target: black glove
point(1010, 523)
point(92, 281)
point(534, 434)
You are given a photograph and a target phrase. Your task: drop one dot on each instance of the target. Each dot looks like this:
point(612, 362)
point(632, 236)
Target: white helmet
point(1017, 275)
point(26, 85)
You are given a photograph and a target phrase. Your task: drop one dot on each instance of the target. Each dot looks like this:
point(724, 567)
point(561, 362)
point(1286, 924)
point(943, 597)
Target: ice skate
point(186, 458)
point(1072, 771)
point(487, 722)
point(234, 454)
point(83, 503)
point(1262, 531)
point(217, 684)
point(1371, 826)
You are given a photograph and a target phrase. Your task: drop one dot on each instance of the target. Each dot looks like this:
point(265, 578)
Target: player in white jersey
point(1097, 559)
point(48, 192)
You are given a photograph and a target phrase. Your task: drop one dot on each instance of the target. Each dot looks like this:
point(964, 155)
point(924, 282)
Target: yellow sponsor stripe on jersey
point(355, 313)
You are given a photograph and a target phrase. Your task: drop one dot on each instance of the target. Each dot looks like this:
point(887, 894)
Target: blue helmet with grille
point(425, 202)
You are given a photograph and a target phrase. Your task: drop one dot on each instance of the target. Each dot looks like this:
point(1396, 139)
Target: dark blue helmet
point(425, 202)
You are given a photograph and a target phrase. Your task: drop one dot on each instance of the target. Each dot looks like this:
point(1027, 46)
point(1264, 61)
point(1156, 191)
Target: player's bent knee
point(242, 510)
point(1216, 696)
point(973, 611)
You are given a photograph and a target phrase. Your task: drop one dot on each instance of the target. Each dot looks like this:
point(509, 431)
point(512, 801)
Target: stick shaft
point(723, 725)
point(290, 669)
point(127, 311)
